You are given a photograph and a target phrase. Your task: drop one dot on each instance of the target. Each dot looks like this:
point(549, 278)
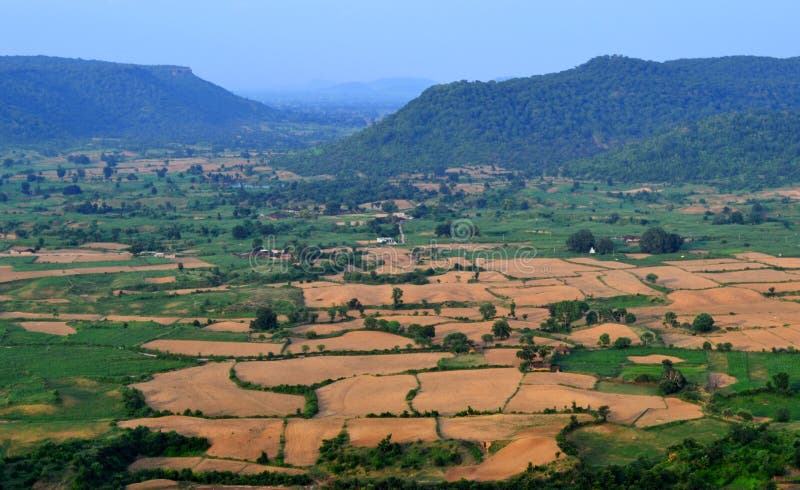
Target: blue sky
point(250, 44)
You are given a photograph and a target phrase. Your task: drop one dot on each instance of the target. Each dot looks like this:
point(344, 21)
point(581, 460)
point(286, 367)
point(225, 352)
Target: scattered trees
point(457, 343)
point(657, 241)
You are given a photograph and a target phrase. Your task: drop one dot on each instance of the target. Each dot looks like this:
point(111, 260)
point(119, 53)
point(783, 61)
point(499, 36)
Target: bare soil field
point(53, 328)
point(329, 328)
point(452, 391)
point(106, 246)
point(7, 274)
point(654, 359)
point(558, 378)
point(68, 256)
point(749, 276)
point(204, 348)
point(753, 340)
point(676, 409)
point(625, 409)
point(361, 340)
point(605, 264)
point(535, 268)
point(591, 284)
point(780, 287)
point(207, 465)
point(496, 427)
point(314, 369)
point(462, 277)
point(785, 262)
point(589, 336)
point(675, 278)
point(209, 389)
point(623, 280)
point(715, 265)
point(382, 294)
point(365, 394)
point(229, 326)
point(468, 313)
point(367, 432)
point(304, 436)
point(160, 280)
point(510, 460)
point(539, 296)
point(229, 438)
point(501, 357)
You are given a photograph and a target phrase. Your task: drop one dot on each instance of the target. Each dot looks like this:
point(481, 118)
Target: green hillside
point(543, 123)
point(60, 101)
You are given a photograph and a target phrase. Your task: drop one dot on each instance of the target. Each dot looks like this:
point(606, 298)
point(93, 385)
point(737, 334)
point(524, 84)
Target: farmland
point(285, 337)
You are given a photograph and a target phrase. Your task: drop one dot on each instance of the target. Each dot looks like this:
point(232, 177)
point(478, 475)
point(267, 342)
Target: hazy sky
point(250, 44)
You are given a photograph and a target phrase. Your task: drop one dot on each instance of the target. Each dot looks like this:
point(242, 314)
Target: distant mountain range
point(386, 92)
point(610, 117)
point(61, 101)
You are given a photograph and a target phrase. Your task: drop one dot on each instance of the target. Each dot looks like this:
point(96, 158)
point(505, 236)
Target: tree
point(657, 241)
point(397, 297)
point(672, 380)
point(622, 343)
point(487, 311)
point(670, 319)
point(648, 337)
point(780, 384)
point(581, 241)
point(501, 329)
point(568, 311)
point(512, 309)
point(457, 343)
point(604, 340)
point(266, 320)
point(703, 323)
point(651, 277)
point(603, 411)
point(591, 317)
point(604, 246)
point(487, 338)
point(630, 318)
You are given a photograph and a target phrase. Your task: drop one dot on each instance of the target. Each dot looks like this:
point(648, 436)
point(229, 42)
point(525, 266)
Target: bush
point(622, 343)
point(782, 415)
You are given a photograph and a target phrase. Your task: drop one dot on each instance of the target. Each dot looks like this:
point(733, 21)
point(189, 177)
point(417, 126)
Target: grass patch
point(626, 388)
point(463, 361)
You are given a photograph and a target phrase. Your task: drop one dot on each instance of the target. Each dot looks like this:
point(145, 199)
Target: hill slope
point(542, 123)
point(59, 100)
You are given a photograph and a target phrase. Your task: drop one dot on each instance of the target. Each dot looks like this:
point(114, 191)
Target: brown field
point(676, 409)
point(754, 275)
point(7, 274)
point(360, 340)
point(625, 409)
point(382, 294)
point(304, 436)
point(675, 278)
point(626, 282)
point(558, 378)
point(501, 357)
point(496, 427)
point(462, 277)
point(654, 359)
point(785, 262)
point(53, 328)
point(208, 388)
point(229, 326)
point(367, 432)
point(229, 438)
point(715, 265)
point(730, 306)
point(69, 256)
point(535, 268)
point(468, 313)
point(204, 348)
point(453, 391)
point(207, 465)
point(510, 460)
point(539, 296)
point(329, 328)
point(589, 336)
point(780, 287)
point(606, 264)
point(167, 320)
point(160, 280)
point(753, 340)
point(591, 284)
point(314, 369)
point(365, 394)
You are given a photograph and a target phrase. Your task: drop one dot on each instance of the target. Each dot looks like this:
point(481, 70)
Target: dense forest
point(543, 124)
point(61, 102)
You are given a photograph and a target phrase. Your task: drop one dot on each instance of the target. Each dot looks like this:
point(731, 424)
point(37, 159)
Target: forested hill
point(543, 124)
point(46, 100)
point(739, 149)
